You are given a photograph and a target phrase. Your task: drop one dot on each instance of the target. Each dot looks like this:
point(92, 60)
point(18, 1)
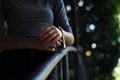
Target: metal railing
point(62, 56)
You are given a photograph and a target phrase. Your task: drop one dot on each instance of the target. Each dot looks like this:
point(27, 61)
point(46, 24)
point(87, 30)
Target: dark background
point(95, 24)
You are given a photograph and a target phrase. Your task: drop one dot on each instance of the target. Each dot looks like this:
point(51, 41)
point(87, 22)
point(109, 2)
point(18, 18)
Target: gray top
point(29, 17)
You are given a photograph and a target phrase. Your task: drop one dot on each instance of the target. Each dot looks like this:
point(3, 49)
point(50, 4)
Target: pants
point(20, 64)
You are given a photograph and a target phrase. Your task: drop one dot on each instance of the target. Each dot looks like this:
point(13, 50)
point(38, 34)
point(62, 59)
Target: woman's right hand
point(44, 45)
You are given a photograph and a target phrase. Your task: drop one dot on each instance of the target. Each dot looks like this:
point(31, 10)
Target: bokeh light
point(68, 8)
point(90, 28)
point(116, 71)
point(80, 3)
point(88, 53)
point(93, 45)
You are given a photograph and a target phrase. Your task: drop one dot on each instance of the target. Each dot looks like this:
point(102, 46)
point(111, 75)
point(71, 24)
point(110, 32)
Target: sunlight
point(116, 71)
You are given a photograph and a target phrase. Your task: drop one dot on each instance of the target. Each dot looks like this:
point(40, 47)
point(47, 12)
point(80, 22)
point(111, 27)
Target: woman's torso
point(27, 17)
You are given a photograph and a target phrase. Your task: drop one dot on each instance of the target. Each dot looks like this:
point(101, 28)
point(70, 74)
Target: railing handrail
point(43, 71)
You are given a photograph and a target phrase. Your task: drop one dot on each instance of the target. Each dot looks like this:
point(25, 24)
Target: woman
point(32, 35)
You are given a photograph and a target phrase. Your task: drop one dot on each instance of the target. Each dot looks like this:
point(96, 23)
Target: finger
point(56, 39)
point(45, 31)
point(51, 37)
point(60, 40)
point(48, 48)
point(49, 34)
point(51, 49)
point(52, 45)
point(58, 43)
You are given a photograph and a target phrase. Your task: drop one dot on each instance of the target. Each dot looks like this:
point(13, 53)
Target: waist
point(24, 55)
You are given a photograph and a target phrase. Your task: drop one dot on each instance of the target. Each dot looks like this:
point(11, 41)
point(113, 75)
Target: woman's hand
point(52, 36)
point(43, 45)
point(49, 39)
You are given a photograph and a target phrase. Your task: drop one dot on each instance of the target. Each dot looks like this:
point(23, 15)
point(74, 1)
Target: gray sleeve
point(2, 16)
point(60, 17)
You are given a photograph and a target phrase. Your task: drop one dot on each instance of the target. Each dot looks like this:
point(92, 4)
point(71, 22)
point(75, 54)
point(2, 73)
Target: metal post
point(65, 65)
point(79, 68)
point(61, 70)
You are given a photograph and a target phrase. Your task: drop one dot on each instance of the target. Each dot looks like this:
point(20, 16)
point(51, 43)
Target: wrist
point(61, 30)
point(63, 37)
point(33, 43)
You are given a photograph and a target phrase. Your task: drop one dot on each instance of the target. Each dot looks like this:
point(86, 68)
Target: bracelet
point(63, 38)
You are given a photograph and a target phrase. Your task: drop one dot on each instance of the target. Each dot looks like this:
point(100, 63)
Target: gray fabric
point(30, 17)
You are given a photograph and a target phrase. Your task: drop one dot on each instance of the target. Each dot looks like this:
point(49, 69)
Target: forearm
point(69, 38)
point(7, 43)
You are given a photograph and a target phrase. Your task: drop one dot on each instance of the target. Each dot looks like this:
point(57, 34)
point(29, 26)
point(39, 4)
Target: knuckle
point(58, 34)
point(55, 40)
point(49, 32)
point(56, 29)
point(52, 37)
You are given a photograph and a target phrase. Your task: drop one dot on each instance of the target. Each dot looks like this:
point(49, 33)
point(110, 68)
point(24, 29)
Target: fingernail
point(53, 49)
